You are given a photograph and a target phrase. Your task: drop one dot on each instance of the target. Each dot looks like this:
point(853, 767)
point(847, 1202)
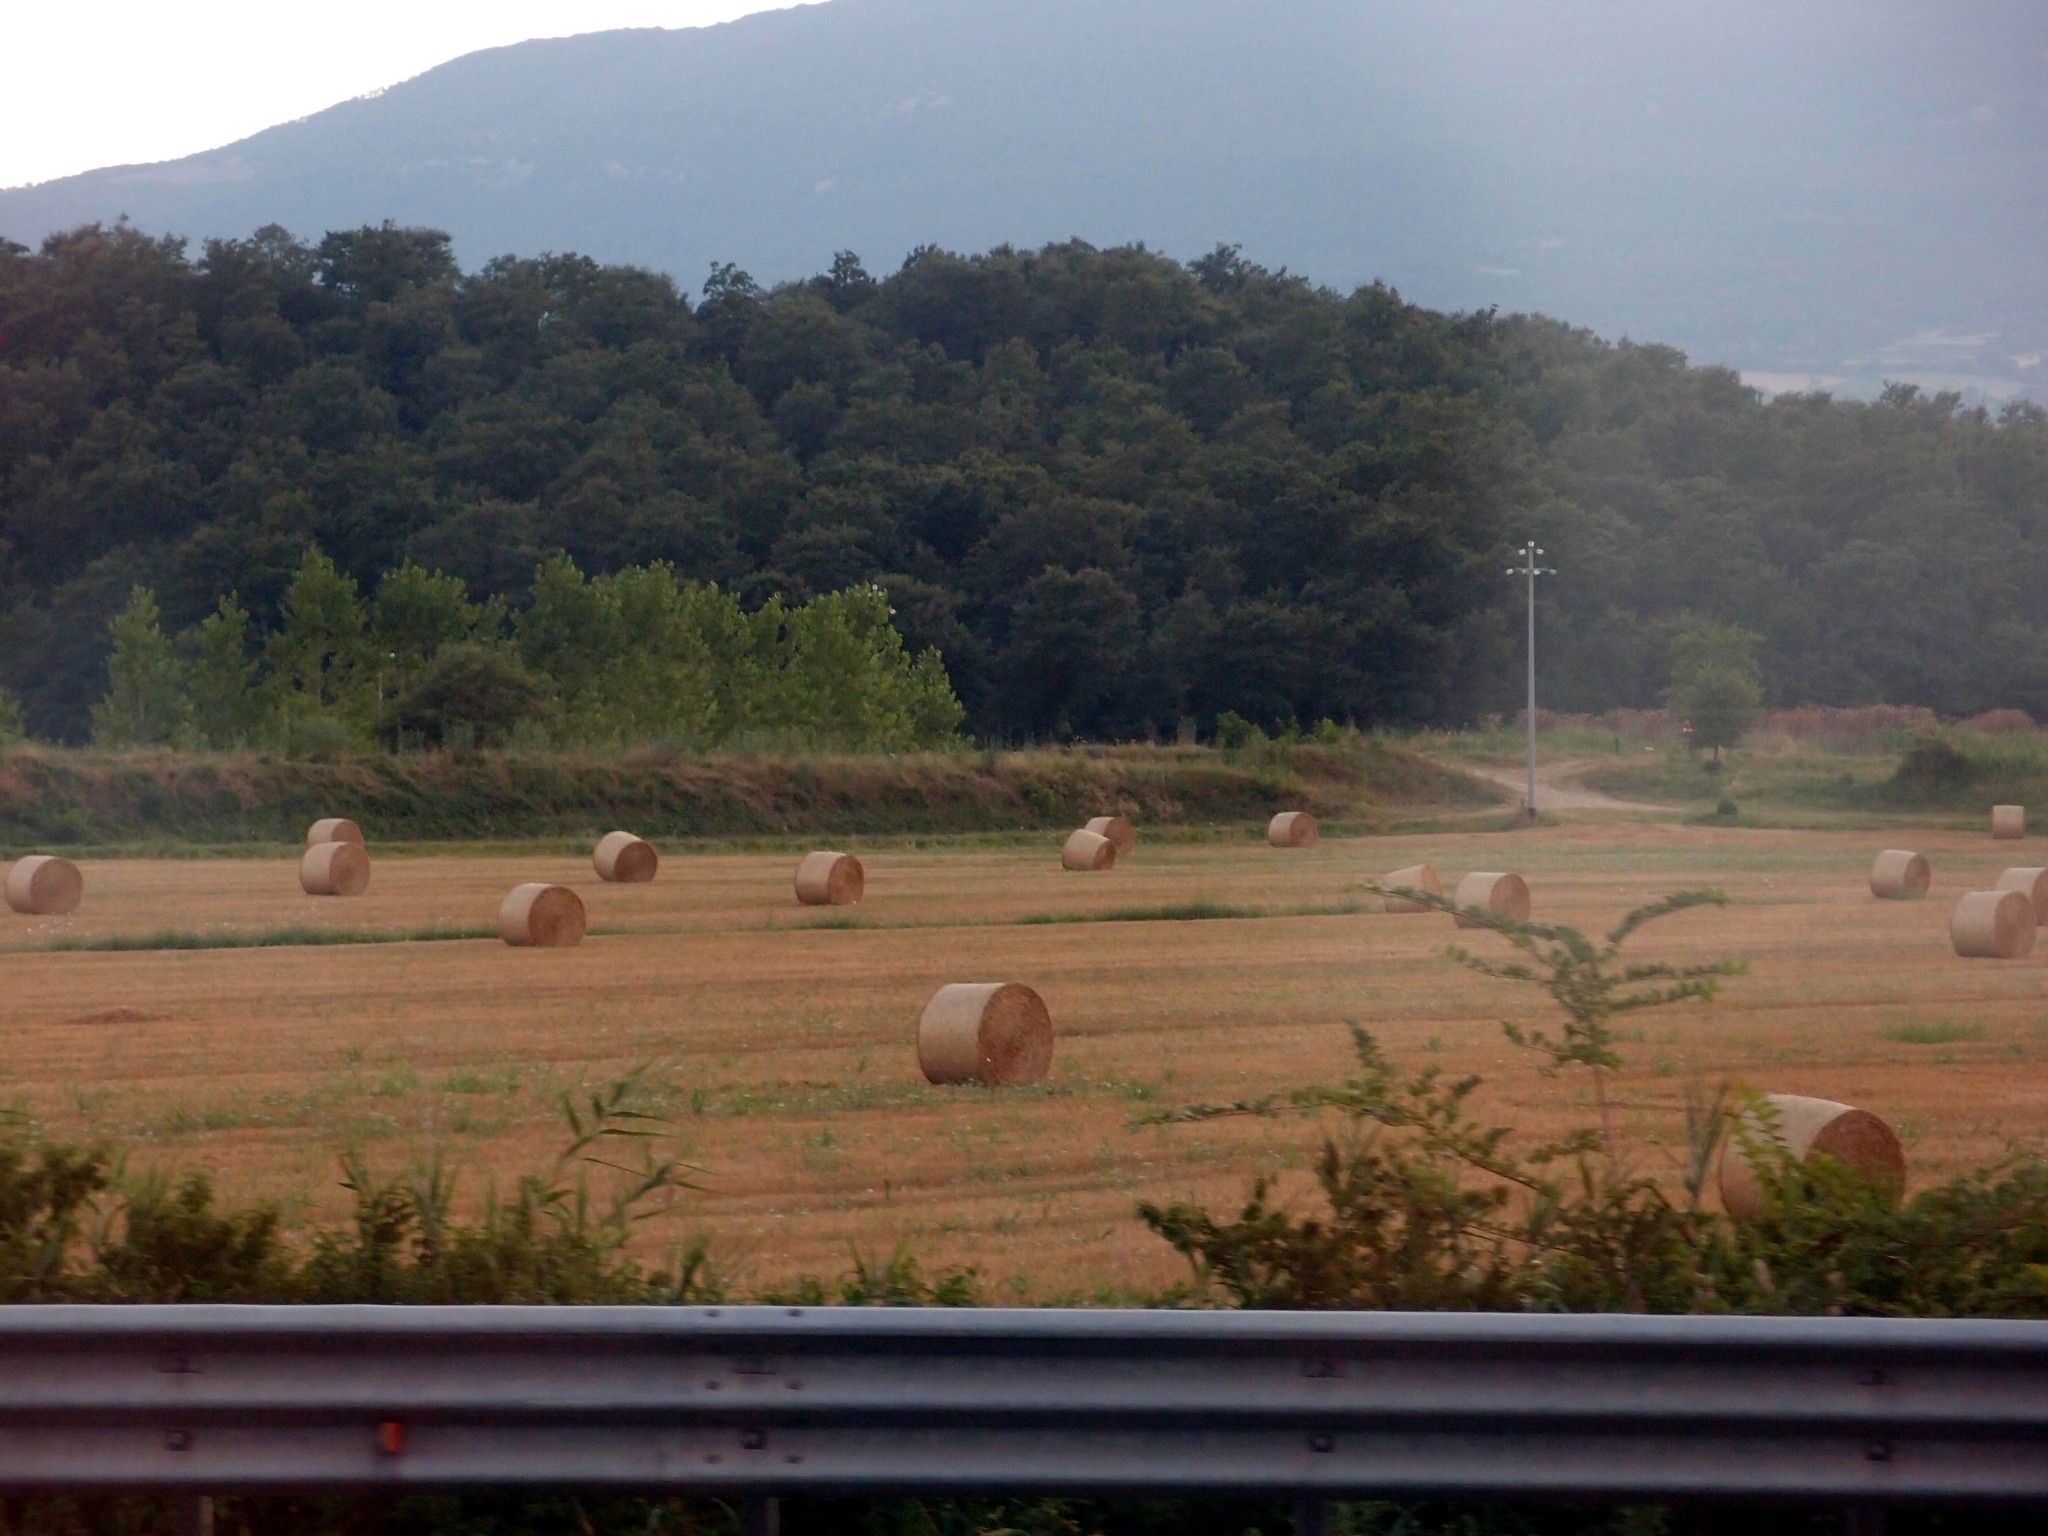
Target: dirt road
point(1558, 787)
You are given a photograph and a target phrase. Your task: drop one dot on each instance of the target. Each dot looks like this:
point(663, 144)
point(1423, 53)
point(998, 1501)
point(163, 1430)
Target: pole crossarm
point(769, 1401)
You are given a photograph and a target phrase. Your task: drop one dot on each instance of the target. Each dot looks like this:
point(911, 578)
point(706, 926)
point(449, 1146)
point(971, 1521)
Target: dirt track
point(1557, 786)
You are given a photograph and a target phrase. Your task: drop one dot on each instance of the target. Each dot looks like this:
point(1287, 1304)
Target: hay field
point(784, 1036)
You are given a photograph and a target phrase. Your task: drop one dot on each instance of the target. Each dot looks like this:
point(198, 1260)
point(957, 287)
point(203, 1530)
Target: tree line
point(1117, 493)
point(627, 658)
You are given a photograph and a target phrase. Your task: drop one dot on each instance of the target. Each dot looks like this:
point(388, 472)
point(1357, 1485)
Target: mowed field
point(781, 1039)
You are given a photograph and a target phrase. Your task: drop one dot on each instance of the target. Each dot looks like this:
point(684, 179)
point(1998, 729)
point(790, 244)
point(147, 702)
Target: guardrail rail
point(759, 1402)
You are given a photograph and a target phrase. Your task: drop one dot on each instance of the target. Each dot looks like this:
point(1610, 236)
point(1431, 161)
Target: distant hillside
point(1121, 496)
point(1841, 189)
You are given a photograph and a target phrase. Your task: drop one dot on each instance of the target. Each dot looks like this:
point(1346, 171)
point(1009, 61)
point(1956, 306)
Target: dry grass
point(789, 1044)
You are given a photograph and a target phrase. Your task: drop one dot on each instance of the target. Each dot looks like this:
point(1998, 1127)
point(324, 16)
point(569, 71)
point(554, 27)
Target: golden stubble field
point(784, 1047)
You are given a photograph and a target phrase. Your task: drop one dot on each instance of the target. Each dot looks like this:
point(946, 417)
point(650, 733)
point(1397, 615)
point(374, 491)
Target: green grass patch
point(1941, 1032)
point(1191, 912)
point(1170, 912)
point(269, 938)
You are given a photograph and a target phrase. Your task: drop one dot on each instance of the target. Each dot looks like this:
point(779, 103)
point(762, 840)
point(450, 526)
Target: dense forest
point(1117, 494)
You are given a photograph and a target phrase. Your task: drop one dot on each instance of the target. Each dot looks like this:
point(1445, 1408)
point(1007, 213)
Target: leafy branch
point(1588, 981)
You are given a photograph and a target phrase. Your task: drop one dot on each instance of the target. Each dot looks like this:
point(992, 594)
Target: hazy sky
point(112, 82)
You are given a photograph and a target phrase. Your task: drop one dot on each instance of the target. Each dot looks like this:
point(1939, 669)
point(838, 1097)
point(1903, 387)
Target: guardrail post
point(760, 1515)
point(192, 1514)
point(1311, 1515)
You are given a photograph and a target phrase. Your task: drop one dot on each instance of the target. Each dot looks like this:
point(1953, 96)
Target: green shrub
point(479, 691)
point(1234, 732)
point(72, 1230)
point(1941, 1032)
point(1933, 766)
point(12, 729)
point(1425, 1208)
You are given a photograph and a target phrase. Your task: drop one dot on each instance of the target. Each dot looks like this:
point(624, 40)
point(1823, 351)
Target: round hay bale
point(1117, 830)
point(1993, 925)
point(624, 859)
point(1897, 875)
point(1416, 877)
point(1292, 829)
point(1855, 1138)
point(2030, 883)
point(1491, 891)
point(334, 869)
point(541, 916)
point(1088, 851)
point(993, 1032)
point(44, 885)
point(830, 880)
point(2008, 822)
point(333, 829)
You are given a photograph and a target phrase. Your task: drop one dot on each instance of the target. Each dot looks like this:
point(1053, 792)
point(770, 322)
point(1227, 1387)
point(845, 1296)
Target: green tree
point(845, 679)
point(228, 709)
point(470, 690)
point(417, 612)
point(563, 633)
point(1703, 645)
point(317, 658)
point(1721, 704)
point(657, 683)
point(1715, 682)
point(145, 703)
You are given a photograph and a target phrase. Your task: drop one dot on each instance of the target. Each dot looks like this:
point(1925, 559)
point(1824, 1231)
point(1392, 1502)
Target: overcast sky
point(114, 82)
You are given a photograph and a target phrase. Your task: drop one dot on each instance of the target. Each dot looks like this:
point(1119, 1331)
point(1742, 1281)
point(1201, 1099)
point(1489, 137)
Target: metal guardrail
point(776, 1401)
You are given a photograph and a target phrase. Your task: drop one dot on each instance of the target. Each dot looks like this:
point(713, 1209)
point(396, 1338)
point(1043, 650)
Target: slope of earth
point(53, 796)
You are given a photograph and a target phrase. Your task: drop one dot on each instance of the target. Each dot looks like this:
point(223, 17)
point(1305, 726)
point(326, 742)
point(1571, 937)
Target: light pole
point(1529, 554)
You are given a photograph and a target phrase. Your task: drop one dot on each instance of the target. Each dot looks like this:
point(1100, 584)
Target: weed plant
point(1424, 1207)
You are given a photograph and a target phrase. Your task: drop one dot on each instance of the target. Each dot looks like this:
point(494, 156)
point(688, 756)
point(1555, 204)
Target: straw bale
point(334, 869)
point(624, 859)
point(44, 885)
point(1088, 851)
point(2030, 883)
point(1117, 830)
point(1993, 925)
point(2008, 821)
point(1898, 875)
point(993, 1032)
point(541, 916)
point(1855, 1138)
point(1292, 829)
point(1492, 891)
point(1416, 877)
point(333, 829)
point(826, 879)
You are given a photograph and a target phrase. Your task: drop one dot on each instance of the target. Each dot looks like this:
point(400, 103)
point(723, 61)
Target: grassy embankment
point(1947, 777)
point(1806, 768)
point(163, 801)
